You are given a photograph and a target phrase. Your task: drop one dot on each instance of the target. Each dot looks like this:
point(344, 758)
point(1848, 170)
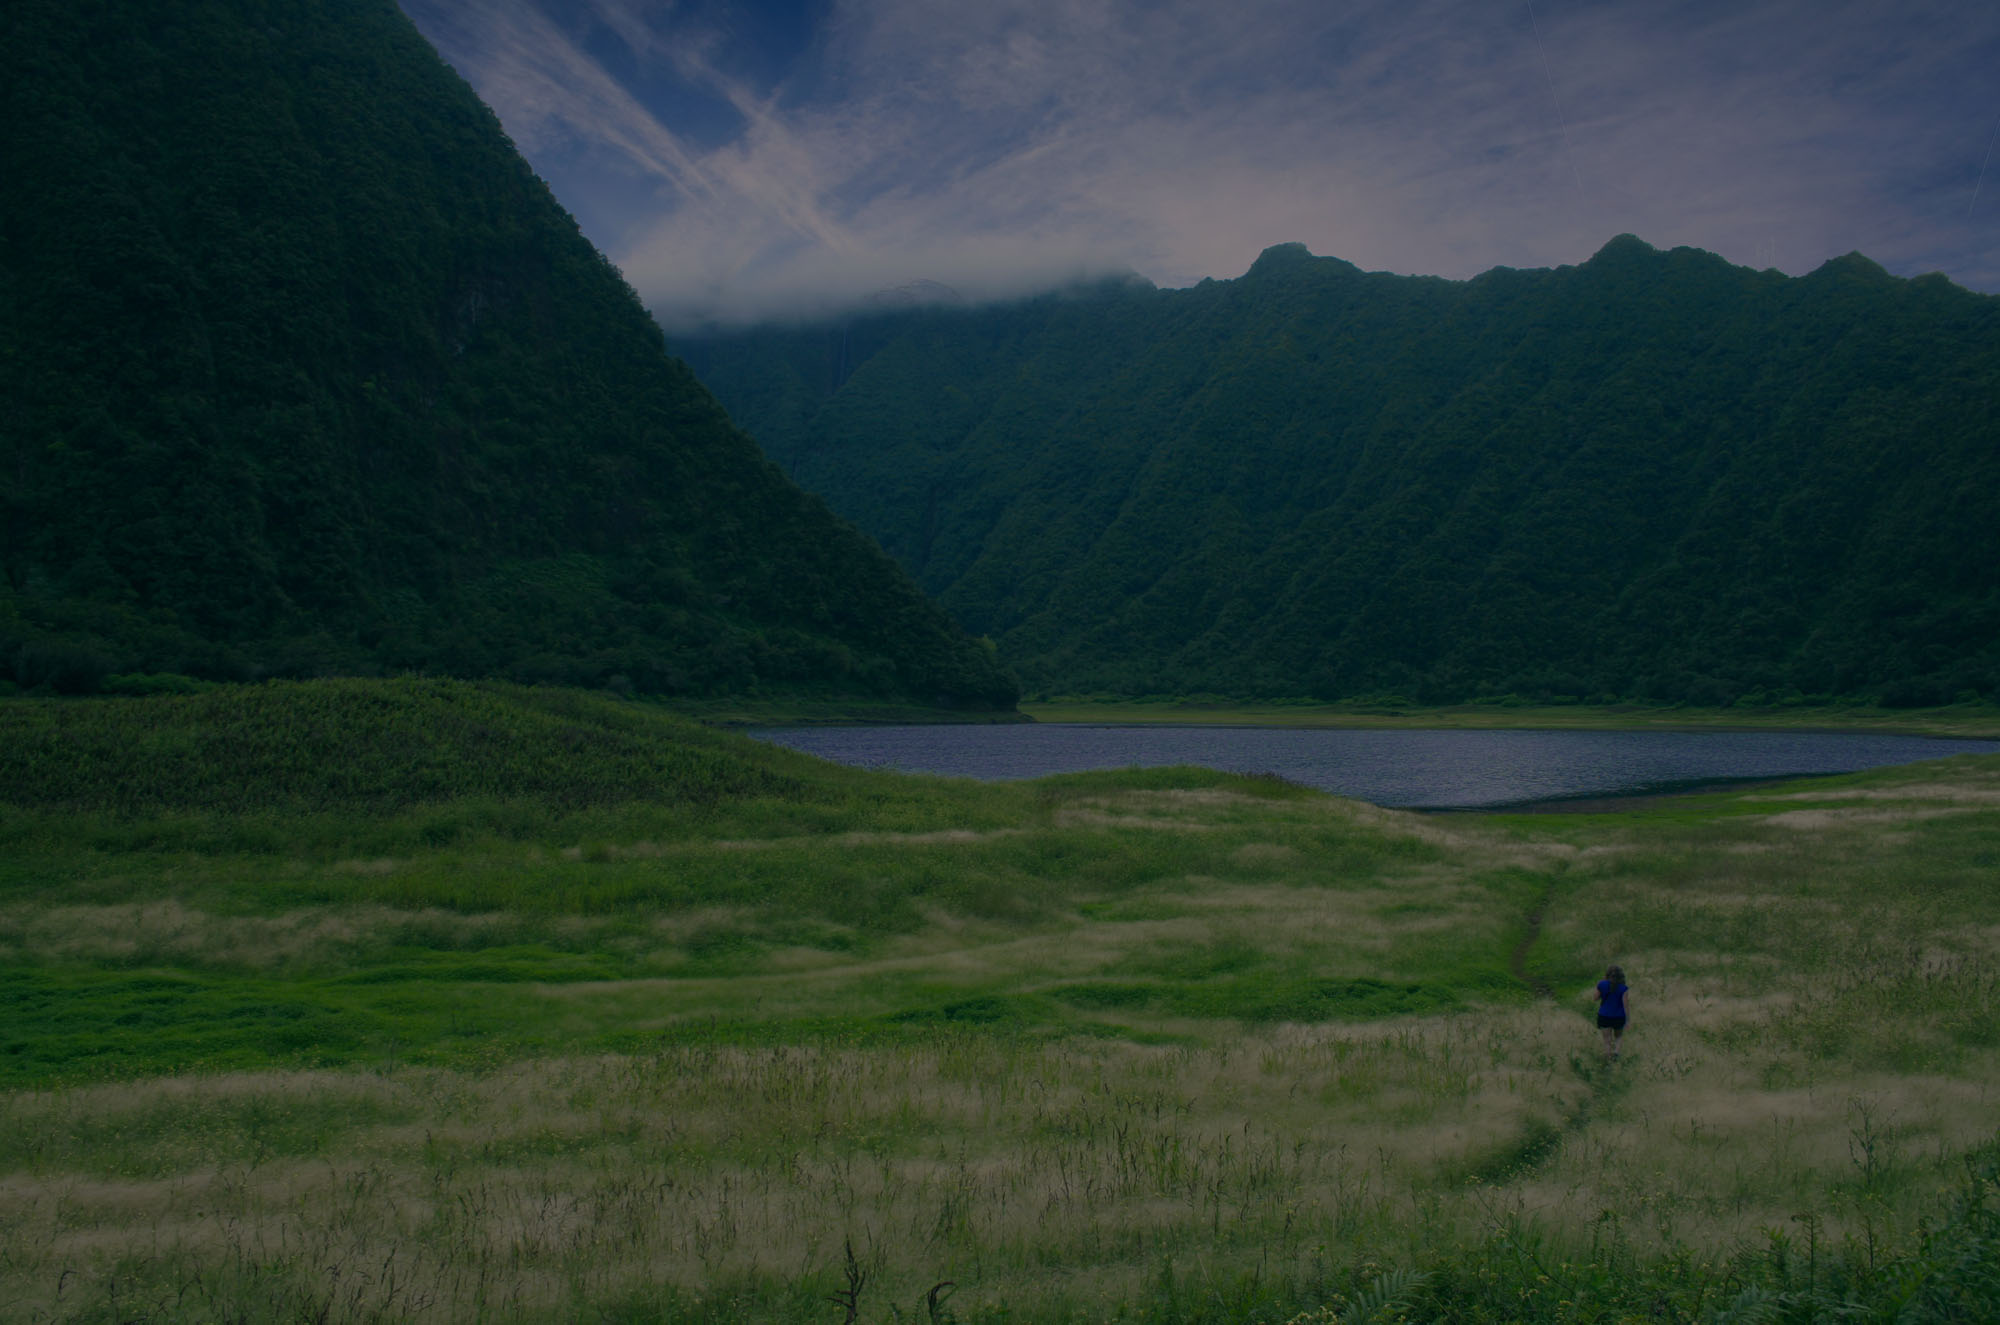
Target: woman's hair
point(1616, 973)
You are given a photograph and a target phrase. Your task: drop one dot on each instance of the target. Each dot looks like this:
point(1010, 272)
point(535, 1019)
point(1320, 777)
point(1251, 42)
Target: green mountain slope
point(305, 371)
point(1654, 475)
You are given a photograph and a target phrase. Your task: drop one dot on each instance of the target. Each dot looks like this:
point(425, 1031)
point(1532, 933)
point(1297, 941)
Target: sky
point(754, 159)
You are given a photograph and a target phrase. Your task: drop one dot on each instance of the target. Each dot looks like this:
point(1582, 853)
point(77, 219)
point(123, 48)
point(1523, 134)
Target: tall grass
point(1166, 1046)
point(1048, 1181)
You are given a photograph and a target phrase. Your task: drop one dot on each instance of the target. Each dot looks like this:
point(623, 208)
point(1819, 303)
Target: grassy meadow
point(355, 1001)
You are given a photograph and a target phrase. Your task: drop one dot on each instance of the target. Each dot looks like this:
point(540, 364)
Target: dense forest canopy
point(305, 371)
point(1652, 476)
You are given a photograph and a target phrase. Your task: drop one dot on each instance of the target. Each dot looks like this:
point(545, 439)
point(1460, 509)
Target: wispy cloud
point(1018, 143)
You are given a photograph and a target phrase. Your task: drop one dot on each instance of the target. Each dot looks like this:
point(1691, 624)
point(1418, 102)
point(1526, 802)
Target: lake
point(1406, 769)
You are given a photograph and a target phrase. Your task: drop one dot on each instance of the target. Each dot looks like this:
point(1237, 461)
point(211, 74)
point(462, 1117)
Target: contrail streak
point(1982, 166)
point(1569, 153)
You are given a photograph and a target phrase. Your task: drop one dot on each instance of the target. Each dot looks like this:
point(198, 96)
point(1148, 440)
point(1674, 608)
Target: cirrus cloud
point(744, 161)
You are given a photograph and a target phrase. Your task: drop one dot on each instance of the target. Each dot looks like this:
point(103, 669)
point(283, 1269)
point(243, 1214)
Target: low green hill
point(306, 372)
point(373, 747)
point(1651, 476)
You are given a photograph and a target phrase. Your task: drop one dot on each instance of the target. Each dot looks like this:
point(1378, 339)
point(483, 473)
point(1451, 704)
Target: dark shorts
point(1610, 1023)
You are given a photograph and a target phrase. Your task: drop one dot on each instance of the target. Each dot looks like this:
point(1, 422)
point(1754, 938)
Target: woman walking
point(1611, 1010)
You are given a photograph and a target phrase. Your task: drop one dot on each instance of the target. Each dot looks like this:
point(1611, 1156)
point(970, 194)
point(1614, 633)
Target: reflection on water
point(1402, 768)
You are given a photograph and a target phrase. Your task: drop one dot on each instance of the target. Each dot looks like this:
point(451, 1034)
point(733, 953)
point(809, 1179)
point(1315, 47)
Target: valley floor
point(1166, 1045)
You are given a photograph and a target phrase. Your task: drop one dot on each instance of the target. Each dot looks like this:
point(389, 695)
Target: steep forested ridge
point(1654, 475)
point(305, 371)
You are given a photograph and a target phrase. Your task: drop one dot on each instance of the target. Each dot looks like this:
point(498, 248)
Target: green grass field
point(424, 1000)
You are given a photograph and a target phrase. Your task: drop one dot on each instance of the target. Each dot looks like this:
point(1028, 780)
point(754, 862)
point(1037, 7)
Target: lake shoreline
point(1974, 721)
point(1423, 770)
point(1626, 800)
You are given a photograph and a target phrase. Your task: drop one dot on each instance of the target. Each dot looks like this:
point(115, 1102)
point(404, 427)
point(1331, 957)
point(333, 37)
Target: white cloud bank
point(1015, 144)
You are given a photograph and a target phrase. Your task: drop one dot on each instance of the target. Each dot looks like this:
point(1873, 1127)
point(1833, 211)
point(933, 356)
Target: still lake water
point(1400, 768)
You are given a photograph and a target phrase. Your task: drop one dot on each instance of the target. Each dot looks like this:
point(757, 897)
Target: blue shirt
point(1611, 999)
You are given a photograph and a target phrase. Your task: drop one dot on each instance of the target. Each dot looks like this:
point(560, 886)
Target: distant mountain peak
point(1623, 248)
point(1281, 256)
point(1295, 257)
point(1291, 252)
point(1854, 266)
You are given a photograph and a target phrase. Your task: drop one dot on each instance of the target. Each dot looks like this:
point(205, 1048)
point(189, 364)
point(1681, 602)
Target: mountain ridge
point(309, 373)
point(1651, 475)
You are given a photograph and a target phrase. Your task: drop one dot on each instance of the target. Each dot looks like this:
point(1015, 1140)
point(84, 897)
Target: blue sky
point(741, 159)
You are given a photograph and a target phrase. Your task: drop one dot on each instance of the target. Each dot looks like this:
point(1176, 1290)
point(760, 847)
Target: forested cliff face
point(1654, 475)
point(305, 371)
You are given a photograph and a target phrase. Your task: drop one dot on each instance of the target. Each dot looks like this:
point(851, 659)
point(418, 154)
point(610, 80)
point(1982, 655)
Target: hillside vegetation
point(1654, 476)
point(306, 372)
point(440, 1001)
